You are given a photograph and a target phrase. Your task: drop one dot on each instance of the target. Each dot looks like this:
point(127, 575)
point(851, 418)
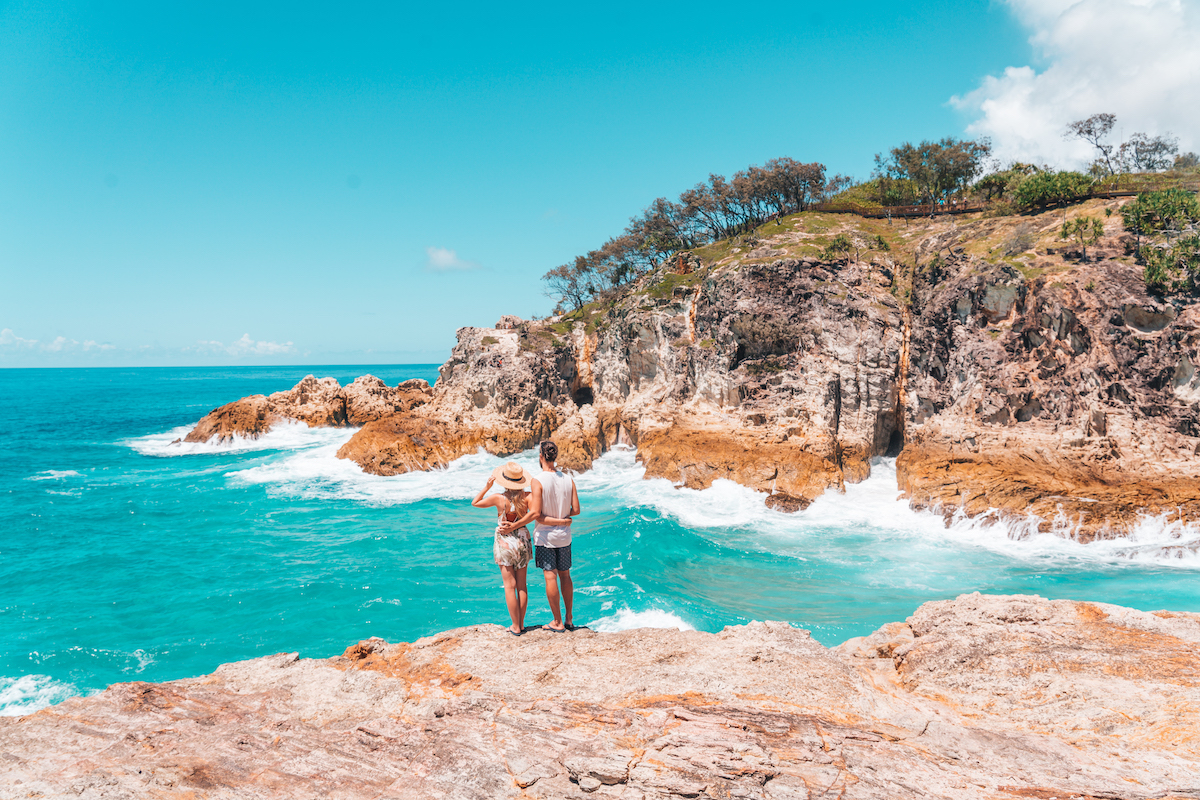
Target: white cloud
point(246, 346)
point(1138, 59)
point(442, 259)
point(60, 344)
point(10, 339)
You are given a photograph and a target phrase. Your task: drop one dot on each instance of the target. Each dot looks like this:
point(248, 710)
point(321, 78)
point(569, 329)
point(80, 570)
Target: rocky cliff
point(1013, 377)
point(979, 697)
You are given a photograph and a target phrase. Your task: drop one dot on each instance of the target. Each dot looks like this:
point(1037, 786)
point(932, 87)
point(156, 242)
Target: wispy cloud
point(246, 346)
point(442, 259)
point(8, 339)
point(1137, 59)
point(60, 344)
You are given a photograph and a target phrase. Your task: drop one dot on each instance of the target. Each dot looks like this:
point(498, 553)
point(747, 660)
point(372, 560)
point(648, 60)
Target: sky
point(224, 184)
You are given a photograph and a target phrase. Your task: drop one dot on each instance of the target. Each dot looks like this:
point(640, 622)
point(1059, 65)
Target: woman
point(511, 547)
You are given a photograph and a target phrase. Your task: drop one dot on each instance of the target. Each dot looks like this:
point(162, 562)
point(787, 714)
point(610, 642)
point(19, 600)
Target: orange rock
point(249, 417)
point(696, 455)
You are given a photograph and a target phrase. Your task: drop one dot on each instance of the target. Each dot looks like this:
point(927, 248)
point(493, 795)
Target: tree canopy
point(930, 172)
point(714, 209)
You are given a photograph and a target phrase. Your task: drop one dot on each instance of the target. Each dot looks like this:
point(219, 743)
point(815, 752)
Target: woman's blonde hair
point(517, 498)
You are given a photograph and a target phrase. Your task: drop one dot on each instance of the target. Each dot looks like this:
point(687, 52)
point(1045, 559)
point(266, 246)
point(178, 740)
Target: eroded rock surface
point(979, 697)
point(1066, 397)
point(315, 402)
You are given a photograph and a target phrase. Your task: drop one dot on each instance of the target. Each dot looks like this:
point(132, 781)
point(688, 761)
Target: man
point(554, 502)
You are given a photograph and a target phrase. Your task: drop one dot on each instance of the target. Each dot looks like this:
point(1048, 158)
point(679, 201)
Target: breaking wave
point(733, 514)
point(286, 435)
point(29, 693)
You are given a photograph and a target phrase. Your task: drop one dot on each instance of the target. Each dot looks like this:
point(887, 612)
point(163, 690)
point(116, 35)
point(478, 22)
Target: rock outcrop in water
point(979, 697)
point(315, 402)
point(1012, 379)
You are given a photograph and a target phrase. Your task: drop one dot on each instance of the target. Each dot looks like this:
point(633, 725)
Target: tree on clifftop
point(1094, 130)
point(935, 171)
point(1144, 153)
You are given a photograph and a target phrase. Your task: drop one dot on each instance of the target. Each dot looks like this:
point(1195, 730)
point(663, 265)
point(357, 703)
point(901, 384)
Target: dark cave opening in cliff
point(583, 396)
point(895, 444)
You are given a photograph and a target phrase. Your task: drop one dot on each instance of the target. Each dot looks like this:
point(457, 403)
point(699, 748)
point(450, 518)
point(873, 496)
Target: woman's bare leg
point(522, 594)
point(510, 597)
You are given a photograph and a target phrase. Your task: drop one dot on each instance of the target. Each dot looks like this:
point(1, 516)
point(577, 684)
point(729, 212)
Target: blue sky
point(216, 184)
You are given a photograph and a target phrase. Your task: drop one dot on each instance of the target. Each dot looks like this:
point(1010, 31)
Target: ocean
point(124, 557)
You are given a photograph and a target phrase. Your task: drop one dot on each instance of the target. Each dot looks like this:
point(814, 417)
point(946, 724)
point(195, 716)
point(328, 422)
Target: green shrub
point(1175, 268)
point(1046, 189)
point(837, 249)
point(1155, 212)
point(1083, 231)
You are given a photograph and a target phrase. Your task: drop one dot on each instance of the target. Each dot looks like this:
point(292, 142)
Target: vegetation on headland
point(718, 217)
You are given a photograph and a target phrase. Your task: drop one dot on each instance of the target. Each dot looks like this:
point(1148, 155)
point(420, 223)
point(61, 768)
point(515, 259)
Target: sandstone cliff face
point(780, 375)
point(980, 697)
point(1068, 396)
point(494, 393)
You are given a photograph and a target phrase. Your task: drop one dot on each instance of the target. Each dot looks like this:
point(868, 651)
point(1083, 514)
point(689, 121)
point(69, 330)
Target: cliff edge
point(979, 697)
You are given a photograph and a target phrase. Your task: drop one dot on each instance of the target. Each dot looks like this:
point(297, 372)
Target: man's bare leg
point(568, 595)
point(552, 597)
point(510, 597)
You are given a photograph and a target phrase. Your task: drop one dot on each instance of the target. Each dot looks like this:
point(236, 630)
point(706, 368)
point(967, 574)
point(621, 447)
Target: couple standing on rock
point(550, 500)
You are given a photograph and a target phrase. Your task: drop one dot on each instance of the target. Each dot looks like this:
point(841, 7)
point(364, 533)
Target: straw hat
point(512, 476)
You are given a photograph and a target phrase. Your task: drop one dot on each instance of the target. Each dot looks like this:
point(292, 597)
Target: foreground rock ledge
point(979, 697)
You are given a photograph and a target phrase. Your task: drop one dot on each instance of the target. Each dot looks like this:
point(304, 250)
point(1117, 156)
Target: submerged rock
point(979, 697)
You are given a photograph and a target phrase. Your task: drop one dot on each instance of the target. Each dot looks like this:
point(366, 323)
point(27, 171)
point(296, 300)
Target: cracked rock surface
point(979, 697)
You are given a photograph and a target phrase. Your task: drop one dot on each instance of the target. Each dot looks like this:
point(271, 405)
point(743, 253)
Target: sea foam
point(54, 475)
point(731, 514)
point(627, 619)
point(29, 693)
point(286, 435)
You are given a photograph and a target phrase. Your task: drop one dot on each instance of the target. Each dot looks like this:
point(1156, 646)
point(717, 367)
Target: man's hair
point(549, 451)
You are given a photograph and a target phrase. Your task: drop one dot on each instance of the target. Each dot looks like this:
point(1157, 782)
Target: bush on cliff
point(1045, 189)
point(1171, 254)
point(1173, 268)
point(1157, 212)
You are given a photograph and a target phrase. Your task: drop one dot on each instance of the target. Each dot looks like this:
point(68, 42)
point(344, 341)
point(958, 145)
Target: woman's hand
point(479, 502)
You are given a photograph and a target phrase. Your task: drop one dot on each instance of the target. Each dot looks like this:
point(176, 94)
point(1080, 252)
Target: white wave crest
point(29, 693)
point(627, 619)
point(285, 435)
point(53, 475)
point(735, 515)
point(318, 473)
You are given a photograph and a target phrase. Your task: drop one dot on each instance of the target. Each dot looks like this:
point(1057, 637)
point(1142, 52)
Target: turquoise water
point(123, 557)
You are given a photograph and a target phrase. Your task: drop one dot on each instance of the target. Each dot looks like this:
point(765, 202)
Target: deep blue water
point(123, 557)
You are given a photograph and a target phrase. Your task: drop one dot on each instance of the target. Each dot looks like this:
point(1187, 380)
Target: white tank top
point(556, 502)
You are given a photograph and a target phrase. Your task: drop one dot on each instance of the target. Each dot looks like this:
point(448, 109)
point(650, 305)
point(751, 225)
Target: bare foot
point(553, 627)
